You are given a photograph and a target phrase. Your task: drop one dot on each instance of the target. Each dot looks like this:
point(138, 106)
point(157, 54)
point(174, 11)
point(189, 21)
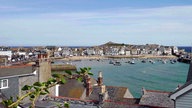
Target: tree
point(42, 88)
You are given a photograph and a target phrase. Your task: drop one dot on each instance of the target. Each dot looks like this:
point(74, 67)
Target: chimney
point(5, 61)
point(88, 86)
point(103, 95)
point(189, 76)
point(143, 91)
point(103, 89)
point(42, 56)
point(100, 79)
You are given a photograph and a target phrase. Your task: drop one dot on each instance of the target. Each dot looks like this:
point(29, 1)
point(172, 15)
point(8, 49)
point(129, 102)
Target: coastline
point(75, 58)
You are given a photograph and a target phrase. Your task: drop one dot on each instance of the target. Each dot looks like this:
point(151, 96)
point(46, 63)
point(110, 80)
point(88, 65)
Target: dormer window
point(3, 83)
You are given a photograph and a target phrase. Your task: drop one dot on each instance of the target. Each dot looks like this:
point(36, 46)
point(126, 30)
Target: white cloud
point(123, 24)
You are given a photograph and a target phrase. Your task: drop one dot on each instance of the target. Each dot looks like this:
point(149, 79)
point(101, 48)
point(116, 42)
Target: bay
point(157, 76)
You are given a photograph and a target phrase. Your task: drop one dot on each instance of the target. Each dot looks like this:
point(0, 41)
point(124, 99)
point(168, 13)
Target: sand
point(73, 58)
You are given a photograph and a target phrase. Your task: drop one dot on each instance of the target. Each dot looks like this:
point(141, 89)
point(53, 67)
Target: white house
point(99, 52)
point(175, 50)
point(128, 52)
point(6, 53)
point(122, 51)
point(134, 51)
point(90, 51)
point(59, 49)
point(66, 52)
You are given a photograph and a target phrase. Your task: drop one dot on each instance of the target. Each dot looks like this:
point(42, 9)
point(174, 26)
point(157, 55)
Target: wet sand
point(73, 58)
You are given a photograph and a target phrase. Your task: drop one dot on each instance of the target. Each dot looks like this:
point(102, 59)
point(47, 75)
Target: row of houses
point(117, 50)
point(23, 54)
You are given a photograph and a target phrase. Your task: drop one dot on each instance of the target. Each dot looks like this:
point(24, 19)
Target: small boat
point(117, 63)
point(127, 61)
point(151, 61)
point(132, 62)
point(143, 61)
point(173, 61)
point(164, 62)
point(111, 62)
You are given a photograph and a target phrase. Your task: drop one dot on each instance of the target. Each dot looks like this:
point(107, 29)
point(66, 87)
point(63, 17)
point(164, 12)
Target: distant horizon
point(87, 45)
point(93, 22)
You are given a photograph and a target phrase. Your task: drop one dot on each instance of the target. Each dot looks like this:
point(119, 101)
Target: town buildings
point(92, 93)
point(22, 54)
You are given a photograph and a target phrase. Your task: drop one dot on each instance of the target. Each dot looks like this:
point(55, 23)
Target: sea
point(186, 48)
point(156, 76)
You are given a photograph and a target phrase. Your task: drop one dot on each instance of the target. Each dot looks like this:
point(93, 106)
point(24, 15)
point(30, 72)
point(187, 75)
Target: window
point(3, 83)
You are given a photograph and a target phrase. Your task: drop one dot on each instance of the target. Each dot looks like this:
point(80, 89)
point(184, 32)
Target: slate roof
point(122, 105)
point(114, 93)
point(72, 89)
point(156, 98)
point(77, 103)
point(41, 104)
point(11, 71)
point(182, 87)
point(74, 103)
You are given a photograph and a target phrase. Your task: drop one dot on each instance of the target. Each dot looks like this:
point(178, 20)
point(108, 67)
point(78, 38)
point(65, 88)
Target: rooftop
point(71, 89)
point(10, 71)
point(181, 90)
point(114, 93)
point(156, 98)
point(73, 102)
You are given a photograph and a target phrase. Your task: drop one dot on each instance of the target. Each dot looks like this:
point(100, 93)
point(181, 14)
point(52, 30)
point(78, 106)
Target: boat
point(132, 62)
point(164, 61)
point(117, 63)
point(111, 62)
point(151, 61)
point(127, 61)
point(173, 61)
point(143, 61)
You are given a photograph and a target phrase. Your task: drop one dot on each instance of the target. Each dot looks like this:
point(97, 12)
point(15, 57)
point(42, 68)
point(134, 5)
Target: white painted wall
point(7, 53)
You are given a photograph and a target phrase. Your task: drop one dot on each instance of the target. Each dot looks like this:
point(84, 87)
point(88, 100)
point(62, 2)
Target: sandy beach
point(116, 57)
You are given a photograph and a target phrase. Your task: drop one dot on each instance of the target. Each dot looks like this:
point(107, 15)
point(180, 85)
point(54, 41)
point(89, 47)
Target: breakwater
point(62, 67)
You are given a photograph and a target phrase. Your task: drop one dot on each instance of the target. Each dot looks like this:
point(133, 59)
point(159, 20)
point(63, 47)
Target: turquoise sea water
point(157, 76)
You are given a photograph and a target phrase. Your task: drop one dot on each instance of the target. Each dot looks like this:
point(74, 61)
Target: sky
point(95, 22)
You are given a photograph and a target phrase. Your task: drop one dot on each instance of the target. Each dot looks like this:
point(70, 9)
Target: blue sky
point(94, 22)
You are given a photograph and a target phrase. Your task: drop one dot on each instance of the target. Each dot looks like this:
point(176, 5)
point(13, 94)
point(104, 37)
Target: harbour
point(153, 76)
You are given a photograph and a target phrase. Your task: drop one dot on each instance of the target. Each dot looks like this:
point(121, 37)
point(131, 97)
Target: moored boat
point(117, 63)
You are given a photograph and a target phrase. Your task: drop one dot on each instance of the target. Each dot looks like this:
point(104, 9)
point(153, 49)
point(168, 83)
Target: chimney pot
point(100, 79)
point(103, 89)
point(100, 74)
